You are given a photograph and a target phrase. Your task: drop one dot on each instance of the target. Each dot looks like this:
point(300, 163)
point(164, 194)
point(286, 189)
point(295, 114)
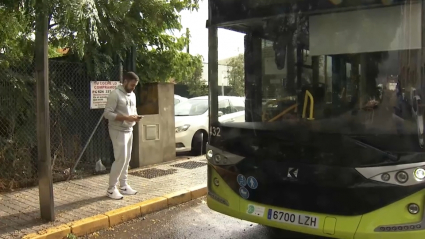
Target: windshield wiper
point(391, 156)
point(181, 115)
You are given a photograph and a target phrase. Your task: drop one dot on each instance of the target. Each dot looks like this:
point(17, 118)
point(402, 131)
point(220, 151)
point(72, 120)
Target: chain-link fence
point(71, 123)
point(18, 152)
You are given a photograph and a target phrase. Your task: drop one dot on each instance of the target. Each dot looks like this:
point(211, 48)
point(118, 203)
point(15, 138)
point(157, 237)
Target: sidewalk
point(77, 199)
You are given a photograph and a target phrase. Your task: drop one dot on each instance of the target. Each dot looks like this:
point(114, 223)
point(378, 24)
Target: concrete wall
point(154, 136)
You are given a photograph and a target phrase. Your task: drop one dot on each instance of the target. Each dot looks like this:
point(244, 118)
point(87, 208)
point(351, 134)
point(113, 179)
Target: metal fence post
point(43, 115)
point(130, 59)
point(71, 173)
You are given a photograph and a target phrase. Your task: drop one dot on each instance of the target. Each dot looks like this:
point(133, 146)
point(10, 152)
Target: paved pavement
point(77, 199)
point(193, 220)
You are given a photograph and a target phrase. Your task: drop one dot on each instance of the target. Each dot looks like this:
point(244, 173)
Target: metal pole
point(43, 115)
point(253, 84)
point(133, 58)
point(213, 73)
point(84, 149)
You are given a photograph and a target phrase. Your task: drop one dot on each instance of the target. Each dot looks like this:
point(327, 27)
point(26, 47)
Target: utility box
point(154, 136)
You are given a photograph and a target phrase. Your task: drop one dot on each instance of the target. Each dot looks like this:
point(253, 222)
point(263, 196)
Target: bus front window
point(323, 78)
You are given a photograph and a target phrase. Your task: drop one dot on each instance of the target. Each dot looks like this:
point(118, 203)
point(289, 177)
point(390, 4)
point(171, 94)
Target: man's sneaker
point(115, 194)
point(127, 190)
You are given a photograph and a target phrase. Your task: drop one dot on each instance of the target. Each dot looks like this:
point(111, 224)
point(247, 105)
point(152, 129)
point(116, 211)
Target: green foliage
point(18, 118)
point(17, 124)
point(96, 30)
point(13, 34)
point(160, 65)
point(236, 75)
point(71, 236)
point(53, 53)
point(195, 86)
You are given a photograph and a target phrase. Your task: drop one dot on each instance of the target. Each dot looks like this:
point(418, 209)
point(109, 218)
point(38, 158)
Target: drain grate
point(153, 173)
point(189, 165)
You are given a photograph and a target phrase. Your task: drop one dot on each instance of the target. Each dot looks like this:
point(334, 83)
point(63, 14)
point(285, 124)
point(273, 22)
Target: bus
point(325, 148)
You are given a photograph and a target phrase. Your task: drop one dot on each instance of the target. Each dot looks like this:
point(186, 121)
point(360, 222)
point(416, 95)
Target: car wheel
point(199, 143)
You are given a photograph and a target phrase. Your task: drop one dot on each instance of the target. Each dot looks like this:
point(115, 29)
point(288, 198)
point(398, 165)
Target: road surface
point(192, 220)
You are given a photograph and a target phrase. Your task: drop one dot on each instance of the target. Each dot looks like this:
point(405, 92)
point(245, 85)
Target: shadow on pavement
point(193, 220)
point(187, 155)
point(184, 154)
point(22, 221)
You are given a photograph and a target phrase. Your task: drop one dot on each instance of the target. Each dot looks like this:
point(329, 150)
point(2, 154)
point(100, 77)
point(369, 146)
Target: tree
point(97, 30)
point(236, 75)
point(196, 86)
point(94, 31)
point(161, 65)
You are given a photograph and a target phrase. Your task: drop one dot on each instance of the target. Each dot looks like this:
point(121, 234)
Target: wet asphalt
point(193, 220)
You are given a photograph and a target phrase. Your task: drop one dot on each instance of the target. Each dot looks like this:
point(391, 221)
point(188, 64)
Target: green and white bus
point(326, 147)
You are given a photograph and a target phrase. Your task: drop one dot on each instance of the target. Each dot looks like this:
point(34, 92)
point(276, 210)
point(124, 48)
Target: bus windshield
point(327, 82)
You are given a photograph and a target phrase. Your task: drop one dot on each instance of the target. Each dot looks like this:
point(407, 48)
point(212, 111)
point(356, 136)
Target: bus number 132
point(215, 131)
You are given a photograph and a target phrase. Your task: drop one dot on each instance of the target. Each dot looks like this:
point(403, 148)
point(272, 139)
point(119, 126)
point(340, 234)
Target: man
point(122, 115)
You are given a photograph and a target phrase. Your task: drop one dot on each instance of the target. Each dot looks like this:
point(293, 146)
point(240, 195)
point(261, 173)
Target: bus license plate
point(293, 218)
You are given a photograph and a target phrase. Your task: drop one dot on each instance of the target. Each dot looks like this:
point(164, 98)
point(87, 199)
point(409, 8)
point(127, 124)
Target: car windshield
point(191, 107)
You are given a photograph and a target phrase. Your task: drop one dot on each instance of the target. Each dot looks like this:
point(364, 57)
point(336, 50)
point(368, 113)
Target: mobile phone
point(140, 116)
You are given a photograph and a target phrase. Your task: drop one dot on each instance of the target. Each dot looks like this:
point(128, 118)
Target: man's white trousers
point(122, 143)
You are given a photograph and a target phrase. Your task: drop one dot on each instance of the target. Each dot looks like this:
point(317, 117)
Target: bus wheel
point(199, 143)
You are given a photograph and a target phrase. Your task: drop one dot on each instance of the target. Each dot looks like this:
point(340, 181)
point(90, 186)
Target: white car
point(178, 99)
point(191, 119)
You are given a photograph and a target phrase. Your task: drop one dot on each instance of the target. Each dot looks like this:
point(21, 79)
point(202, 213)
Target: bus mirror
point(220, 113)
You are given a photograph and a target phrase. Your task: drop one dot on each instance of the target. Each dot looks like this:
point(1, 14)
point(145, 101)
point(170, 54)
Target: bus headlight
point(217, 158)
point(401, 177)
point(210, 154)
point(385, 177)
point(420, 174)
point(216, 182)
point(413, 208)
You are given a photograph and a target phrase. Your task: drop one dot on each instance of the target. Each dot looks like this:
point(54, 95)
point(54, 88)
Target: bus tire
point(199, 143)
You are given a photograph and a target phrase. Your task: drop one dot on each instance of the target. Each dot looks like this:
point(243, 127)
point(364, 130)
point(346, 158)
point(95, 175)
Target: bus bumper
point(390, 222)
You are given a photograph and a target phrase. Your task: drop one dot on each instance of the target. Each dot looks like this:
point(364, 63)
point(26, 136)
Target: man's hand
point(133, 118)
point(128, 118)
